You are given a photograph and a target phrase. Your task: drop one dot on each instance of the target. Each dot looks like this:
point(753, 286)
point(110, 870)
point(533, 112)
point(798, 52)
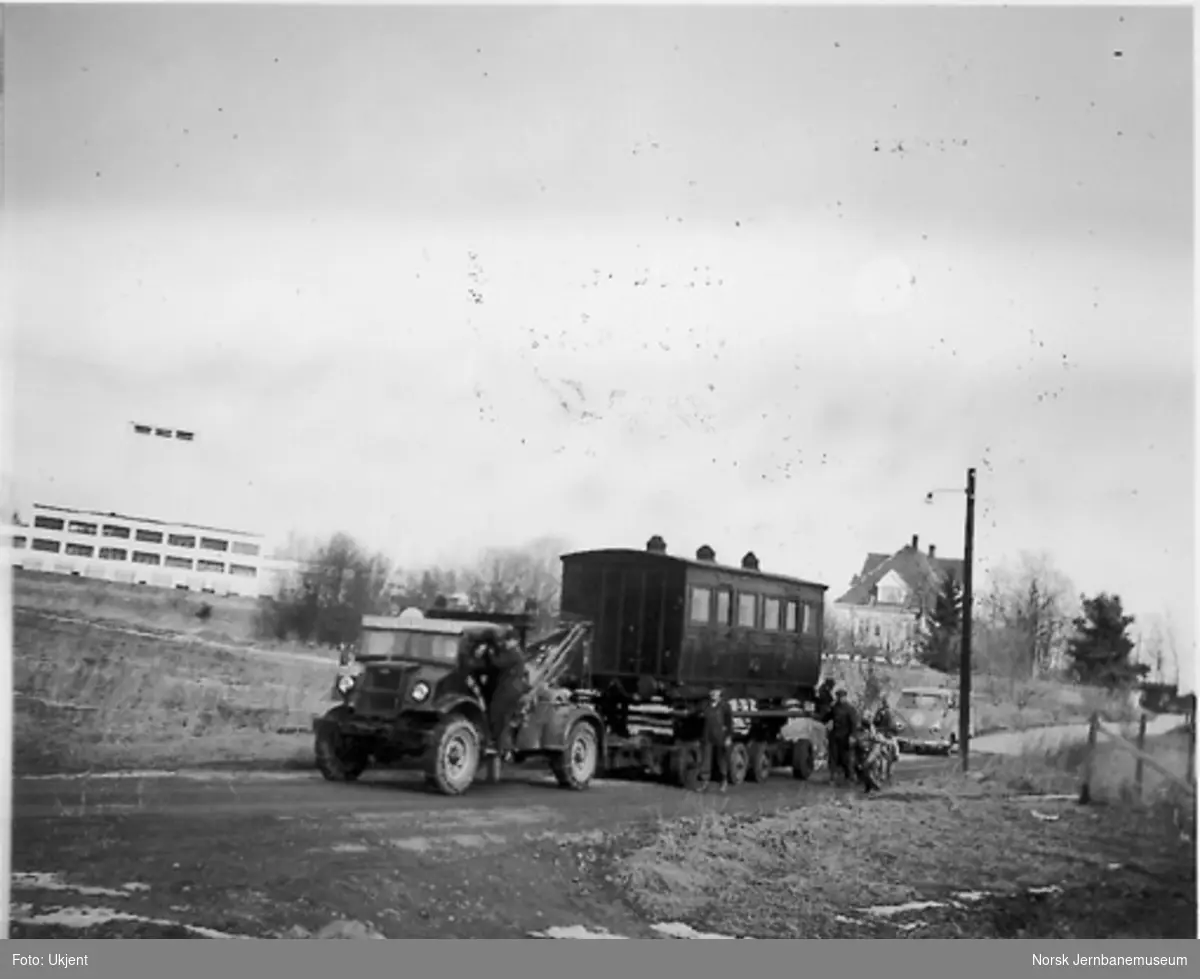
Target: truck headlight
point(345, 683)
point(420, 691)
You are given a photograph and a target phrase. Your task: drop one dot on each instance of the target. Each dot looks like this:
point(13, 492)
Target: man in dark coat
point(843, 721)
point(717, 739)
point(510, 683)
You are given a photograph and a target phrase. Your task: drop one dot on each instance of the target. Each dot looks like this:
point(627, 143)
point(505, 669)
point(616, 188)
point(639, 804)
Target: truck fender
point(463, 703)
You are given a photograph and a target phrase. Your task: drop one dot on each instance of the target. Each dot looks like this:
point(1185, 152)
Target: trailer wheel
point(455, 755)
point(739, 763)
point(338, 758)
point(687, 766)
point(802, 760)
point(760, 762)
point(576, 765)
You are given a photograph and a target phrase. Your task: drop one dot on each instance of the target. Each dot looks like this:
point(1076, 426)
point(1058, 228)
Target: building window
point(80, 527)
point(163, 433)
point(113, 554)
point(214, 544)
point(141, 429)
point(143, 557)
point(240, 547)
point(216, 566)
point(48, 523)
point(724, 607)
point(184, 436)
point(771, 614)
point(181, 540)
point(18, 542)
point(747, 610)
point(115, 530)
point(150, 536)
point(701, 606)
point(244, 570)
point(49, 546)
point(80, 550)
point(791, 619)
point(178, 562)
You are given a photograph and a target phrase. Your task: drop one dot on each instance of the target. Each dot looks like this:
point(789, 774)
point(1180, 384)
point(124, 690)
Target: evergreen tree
point(1101, 652)
point(940, 645)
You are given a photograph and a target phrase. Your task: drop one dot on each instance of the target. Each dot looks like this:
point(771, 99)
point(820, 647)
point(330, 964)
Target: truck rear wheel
point(576, 765)
point(760, 762)
point(455, 755)
point(338, 758)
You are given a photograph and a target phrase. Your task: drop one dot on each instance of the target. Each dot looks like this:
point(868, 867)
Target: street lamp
point(964, 665)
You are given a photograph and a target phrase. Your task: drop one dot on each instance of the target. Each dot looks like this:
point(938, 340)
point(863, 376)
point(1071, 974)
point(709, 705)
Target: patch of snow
point(572, 931)
point(971, 896)
point(889, 910)
point(53, 882)
point(135, 886)
point(89, 917)
point(349, 848)
point(1044, 817)
point(1113, 866)
point(1048, 889)
point(676, 929)
point(846, 921)
point(1058, 797)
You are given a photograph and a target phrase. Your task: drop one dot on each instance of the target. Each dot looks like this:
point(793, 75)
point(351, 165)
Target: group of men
point(848, 730)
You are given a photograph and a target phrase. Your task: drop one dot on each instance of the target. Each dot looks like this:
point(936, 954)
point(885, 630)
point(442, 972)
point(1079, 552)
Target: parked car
point(928, 719)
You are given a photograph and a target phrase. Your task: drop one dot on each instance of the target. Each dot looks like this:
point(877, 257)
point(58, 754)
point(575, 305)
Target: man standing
point(718, 737)
point(843, 722)
point(510, 683)
point(886, 730)
point(825, 700)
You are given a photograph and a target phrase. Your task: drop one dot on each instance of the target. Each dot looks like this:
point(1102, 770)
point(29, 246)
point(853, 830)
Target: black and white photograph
point(599, 472)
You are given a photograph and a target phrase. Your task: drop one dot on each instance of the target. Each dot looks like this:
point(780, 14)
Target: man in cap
point(718, 737)
point(843, 721)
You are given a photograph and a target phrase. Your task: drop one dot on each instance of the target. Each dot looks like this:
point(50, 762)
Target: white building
point(138, 550)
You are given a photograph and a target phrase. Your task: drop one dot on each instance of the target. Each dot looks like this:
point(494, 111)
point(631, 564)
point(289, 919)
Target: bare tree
point(1027, 615)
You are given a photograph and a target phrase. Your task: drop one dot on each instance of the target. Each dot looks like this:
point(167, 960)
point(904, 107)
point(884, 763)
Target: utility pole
point(964, 675)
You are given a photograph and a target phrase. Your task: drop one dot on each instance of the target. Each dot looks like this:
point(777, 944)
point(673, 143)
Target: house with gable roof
point(884, 609)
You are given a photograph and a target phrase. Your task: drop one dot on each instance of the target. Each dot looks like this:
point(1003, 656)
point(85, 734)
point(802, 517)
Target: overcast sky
point(757, 278)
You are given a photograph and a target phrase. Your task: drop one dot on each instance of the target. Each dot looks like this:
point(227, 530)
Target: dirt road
point(1060, 735)
point(212, 854)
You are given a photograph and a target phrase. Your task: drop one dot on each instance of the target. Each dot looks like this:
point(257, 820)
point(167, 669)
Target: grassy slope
point(1124, 870)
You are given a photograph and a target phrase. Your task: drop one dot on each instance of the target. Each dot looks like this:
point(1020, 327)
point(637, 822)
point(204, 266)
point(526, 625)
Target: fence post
point(1085, 790)
point(1141, 744)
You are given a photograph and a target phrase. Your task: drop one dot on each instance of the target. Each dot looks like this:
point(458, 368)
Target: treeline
point(1029, 622)
point(343, 581)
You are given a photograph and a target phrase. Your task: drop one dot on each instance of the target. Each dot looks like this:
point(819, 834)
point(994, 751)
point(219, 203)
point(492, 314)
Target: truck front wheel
point(339, 758)
point(455, 755)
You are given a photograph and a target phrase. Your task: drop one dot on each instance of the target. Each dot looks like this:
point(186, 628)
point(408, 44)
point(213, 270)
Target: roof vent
point(705, 553)
point(915, 542)
point(932, 552)
point(656, 545)
point(750, 562)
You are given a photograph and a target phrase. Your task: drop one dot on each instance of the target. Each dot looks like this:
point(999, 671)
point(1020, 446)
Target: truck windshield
point(398, 644)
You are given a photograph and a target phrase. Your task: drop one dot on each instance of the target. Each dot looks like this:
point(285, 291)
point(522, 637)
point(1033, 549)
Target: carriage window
point(771, 614)
point(724, 607)
point(792, 620)
point(747, 611)
point(701, 605)
point(811, 614)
